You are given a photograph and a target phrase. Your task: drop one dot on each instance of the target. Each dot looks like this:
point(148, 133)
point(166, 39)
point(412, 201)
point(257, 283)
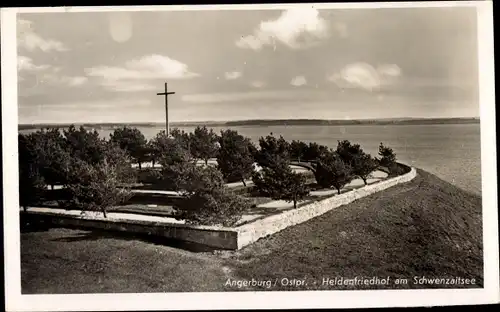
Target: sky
point(247, 64)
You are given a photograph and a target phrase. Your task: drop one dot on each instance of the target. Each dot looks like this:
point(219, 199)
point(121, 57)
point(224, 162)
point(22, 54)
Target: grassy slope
point(424, 227)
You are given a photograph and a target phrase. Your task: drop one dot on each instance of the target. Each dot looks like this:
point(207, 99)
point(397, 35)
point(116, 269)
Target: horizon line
point(247, 120)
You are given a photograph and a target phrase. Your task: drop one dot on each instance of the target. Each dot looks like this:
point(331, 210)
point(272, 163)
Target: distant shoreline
point(266, 122)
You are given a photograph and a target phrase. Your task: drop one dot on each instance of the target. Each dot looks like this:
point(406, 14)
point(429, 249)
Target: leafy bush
point(218, 206)
point(395, 170)
point(207, 200)
point(333, 171)
point(200, 179)
point(235, 159)
point(149, 176)
point(280, 182)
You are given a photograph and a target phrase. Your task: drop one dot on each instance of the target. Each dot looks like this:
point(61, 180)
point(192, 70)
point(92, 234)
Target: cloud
point(257, 84)
point(57, 80)
point(296, 28)
point(298, 81)
point(25, 63)
point(389, 70)
point(75, 81)
point(131, 76)
point(241, 96)
point(232, 75)
point(47, 74)
point(365, 76)
point(127, 85)
point(28, 39)
point(341, 28)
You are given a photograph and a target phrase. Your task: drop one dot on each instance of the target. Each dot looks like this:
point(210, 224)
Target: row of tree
point(96, 173)
point(204, 144)
point(91, 169)
point(332, 168)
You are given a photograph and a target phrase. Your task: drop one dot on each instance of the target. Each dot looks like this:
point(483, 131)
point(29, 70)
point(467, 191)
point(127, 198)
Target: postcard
point(249, 156)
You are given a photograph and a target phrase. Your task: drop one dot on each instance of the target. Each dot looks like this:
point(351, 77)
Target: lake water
point(451, 151)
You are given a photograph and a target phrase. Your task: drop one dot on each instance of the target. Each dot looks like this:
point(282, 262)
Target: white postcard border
point(249, 300)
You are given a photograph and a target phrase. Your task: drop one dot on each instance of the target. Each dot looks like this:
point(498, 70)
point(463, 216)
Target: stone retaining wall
point(253, 231)
point(217, 238)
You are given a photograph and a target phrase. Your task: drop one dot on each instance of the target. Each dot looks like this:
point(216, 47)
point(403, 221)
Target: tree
point(85, 145)
point(31, 183)
point(388, 157)
point(204, 143)
point(183, 138)
point(51, 154)
point(150, 152)
point(122, 162)
point(132, 141)
point(348, 151)
point(172, 151)
point(298, 150)
point(272, 150)
point(388, 160)
point(331, 171)
point(314, 151)
point(363, 165)
point(235, 159)
point(176, 163)
point(157, 146)
point(280, 182)
point(96, 187)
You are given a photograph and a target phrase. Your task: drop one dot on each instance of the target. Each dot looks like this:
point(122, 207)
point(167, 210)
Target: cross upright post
point(166, 94)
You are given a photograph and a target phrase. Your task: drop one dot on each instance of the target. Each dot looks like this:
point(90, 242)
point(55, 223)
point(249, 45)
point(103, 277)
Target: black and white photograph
point(249, 156)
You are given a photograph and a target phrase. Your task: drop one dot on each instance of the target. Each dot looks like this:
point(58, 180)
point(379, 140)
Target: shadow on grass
point(96, 235)
point(31, 225)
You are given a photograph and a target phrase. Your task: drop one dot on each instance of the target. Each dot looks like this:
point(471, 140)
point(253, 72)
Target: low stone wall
point(217, 237)
point(253, 231)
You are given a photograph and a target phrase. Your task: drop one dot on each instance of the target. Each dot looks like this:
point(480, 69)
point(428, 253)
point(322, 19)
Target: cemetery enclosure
point(212, 236)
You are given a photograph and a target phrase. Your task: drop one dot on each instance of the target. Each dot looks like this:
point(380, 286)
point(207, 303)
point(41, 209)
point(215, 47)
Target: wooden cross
point(166, 94)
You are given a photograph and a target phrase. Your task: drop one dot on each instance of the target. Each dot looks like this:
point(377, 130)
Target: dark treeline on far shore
point(97, 173)
point(270, 122)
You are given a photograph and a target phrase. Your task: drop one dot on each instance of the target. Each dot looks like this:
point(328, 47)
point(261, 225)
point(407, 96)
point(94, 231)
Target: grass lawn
point(423, 227)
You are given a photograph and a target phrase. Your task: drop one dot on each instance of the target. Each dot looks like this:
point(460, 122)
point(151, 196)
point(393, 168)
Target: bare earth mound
point(426, 227)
